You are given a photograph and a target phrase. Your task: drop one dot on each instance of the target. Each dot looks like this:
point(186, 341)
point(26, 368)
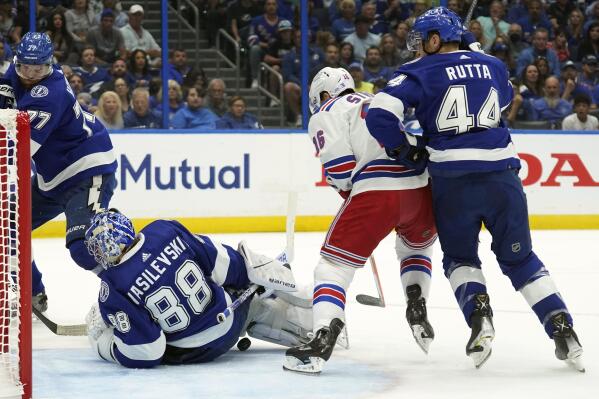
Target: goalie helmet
point(331, 80)
point(439, 19)
point(108, 236)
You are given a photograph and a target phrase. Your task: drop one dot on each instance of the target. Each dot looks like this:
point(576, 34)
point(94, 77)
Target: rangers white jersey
point(353, 160)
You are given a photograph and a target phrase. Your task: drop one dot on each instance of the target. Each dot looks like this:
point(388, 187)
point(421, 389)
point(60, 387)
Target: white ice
point(383, 361)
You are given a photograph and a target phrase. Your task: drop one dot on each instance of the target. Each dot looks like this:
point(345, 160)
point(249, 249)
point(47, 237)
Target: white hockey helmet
point(332, 80)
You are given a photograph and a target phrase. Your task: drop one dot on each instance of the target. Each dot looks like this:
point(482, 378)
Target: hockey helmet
point(445, 22)
point(331, 80)
point(109, 234)
point(33, 56)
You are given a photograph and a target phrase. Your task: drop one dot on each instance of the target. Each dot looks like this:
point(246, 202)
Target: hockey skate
point(311, 357)
point(567, 346)
point(481, 321)
point(416, 315)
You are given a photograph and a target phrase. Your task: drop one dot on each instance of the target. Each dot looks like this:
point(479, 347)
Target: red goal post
point(15, 255)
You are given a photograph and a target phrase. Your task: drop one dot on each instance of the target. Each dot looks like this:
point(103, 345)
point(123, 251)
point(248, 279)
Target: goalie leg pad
point(331, 281)
point(277, 321)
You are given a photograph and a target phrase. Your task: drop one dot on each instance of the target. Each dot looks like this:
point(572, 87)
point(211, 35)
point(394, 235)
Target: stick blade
point(369, 300)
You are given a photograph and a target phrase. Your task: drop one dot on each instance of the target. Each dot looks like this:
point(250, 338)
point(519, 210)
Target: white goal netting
point(11, 294)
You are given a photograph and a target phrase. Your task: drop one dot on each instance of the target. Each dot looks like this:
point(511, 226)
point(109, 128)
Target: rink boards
point(240, 181)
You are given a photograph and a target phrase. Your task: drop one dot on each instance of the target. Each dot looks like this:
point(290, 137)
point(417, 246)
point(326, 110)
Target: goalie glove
point(7, 95)
point(99, 334)
point(272, 274)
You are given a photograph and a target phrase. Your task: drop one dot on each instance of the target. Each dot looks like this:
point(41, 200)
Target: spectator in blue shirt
point(237, 118)
point(175, 99)
point(140, 115)
point(90, 72)
point(373, 66)
point(194, 115)
point(534, 19)
point(344, 26)
point(539, 49)
point(551, 107)
point(139, 68)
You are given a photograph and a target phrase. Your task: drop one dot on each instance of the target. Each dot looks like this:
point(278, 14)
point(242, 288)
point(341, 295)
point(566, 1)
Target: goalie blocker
point(162, 288)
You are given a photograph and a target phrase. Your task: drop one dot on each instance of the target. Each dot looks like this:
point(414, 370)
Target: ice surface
point(383, 361)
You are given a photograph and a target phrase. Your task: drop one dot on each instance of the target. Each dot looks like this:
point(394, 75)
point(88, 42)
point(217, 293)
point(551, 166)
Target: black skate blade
point(369, 300)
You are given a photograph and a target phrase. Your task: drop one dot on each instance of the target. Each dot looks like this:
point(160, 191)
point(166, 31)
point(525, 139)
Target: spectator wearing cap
point(580, 119)
point(494, 26)
point(263, 33)
point(539, 49)
point(362, 39)
point(120, 18)
point(551, 107)
point(344, 26)
point(107, 40)
point(79, 20)
point(500, 50)
point(138, 38)
point(194, 115)
point(589, 71)
point(373, 66)
point(571, 84)
point(237, 117)
point(357, 73)
point(277, 51)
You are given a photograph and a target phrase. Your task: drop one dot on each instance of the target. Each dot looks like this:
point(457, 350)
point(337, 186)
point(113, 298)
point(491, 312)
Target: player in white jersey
point(380, 195)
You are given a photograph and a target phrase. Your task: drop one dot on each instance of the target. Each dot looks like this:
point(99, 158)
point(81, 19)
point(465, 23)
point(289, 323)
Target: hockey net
point(15, 255)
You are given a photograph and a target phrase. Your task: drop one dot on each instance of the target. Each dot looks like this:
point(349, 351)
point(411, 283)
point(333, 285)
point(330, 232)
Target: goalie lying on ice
point(162, 289)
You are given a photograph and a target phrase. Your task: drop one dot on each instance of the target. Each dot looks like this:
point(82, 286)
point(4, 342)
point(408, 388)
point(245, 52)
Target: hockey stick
point(470, 12)
point(285, 257)
point(370, 300)
point(68, 330)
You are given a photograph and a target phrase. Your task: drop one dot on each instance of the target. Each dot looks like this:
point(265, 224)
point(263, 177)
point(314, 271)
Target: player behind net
point(71, 149)
point(380, 196)
point(458, 98)
point(162, 289)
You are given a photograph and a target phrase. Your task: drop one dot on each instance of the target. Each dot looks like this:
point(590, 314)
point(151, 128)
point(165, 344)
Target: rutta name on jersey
point(155, 269)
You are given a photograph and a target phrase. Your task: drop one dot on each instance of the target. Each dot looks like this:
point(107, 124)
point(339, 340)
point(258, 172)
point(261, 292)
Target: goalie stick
point(286, 257)
point(371, 300)
point(67, 330)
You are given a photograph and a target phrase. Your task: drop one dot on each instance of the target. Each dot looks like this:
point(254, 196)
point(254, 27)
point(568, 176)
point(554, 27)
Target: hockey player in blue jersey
point(458, 98)
point(162, 289)
point(70, 147)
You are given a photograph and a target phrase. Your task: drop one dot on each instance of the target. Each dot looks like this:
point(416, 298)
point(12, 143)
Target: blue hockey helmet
point(33, 57)
point(110, 233)
point(35, 49)
point(445, 22)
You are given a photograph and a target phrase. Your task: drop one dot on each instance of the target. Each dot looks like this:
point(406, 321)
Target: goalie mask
point(331, 80)
point(108, 236)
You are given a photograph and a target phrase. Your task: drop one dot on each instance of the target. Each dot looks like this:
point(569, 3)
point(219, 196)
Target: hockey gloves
point(411, 153)
point(469, 42)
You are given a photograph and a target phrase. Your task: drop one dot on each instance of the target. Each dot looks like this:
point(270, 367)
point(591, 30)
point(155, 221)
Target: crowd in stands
point(112, 63)
point(550, 47)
